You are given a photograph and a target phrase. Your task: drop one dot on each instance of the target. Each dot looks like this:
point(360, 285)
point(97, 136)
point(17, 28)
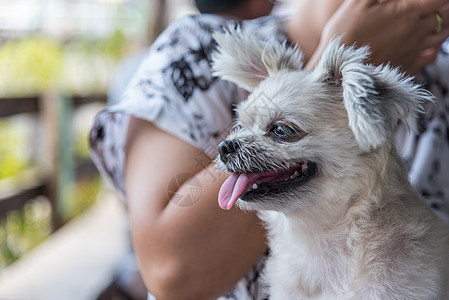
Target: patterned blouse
point(175, 90)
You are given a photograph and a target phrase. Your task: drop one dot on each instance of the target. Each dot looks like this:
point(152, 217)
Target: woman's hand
point(401, 32)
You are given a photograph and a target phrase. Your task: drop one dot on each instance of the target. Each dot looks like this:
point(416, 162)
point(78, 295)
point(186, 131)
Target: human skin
point(195, 252)
point(201, 251)
point(399, 32)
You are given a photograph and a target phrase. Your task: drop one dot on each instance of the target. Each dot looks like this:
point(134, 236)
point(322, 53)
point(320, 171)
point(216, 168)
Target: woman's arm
point(307, 24)
point(194, 252)
point(400, 32)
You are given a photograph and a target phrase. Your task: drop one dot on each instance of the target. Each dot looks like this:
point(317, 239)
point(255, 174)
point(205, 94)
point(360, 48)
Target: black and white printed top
point(175, 90)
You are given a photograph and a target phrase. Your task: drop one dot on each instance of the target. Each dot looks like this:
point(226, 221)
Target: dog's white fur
point(355, 230)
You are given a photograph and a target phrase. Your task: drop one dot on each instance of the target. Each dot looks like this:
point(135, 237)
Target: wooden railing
point(54, 111)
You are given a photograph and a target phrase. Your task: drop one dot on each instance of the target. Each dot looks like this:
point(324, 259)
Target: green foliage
point(30, 65)
point(24, 229)
point(33, 65)
point(81, 145)
point(13, 159)
point(114, 45)
point(86, 192)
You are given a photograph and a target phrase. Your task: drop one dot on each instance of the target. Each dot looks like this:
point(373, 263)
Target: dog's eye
point(237, 127)
point(280, 131)
point(283, 132)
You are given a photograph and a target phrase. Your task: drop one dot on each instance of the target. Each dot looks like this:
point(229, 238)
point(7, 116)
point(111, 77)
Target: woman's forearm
point(195, 251)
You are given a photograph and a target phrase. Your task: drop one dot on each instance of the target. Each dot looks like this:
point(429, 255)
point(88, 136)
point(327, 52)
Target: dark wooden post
point(57, 157)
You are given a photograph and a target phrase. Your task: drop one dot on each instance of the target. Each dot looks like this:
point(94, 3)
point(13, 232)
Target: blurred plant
point(13, 147)
point(90, 63)
point(81, 145)
point(23, 229)
point(115, 45)
point(82, 121)
point(30, 65)
point(85, 194)
point(33, 65)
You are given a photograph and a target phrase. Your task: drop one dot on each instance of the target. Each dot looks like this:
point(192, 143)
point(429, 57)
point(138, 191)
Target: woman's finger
point(434, 24)
point(431, 26)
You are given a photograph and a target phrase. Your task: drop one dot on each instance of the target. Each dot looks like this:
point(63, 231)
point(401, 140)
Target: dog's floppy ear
point(376, 98)
point(242, 58)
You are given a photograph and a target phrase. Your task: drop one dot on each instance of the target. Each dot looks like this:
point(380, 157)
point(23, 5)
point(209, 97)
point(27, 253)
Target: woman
point(158, 143)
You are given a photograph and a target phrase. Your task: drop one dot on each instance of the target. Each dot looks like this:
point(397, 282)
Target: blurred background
point(63, 232)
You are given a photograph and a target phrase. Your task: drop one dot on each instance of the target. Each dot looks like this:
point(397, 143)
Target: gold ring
point(440, 23)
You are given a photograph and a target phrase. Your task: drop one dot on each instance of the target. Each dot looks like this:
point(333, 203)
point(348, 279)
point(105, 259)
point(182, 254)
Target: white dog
point(313, 152)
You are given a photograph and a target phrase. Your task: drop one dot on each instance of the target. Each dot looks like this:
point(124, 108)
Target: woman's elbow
point(160, 279)
point(170, 280)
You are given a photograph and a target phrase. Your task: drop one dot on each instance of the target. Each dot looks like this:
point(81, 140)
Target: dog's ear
point(376, 98)
point(242, 58)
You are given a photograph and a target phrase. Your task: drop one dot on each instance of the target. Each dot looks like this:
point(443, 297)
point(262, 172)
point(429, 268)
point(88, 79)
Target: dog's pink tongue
point(232, 189)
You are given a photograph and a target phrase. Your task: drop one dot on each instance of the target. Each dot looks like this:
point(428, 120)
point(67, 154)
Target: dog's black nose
point(226, 148)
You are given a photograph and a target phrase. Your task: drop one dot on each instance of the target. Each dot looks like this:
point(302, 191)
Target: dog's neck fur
point(329, 249)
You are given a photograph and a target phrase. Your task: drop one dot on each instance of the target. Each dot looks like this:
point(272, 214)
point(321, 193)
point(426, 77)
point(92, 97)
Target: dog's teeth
point(296, 174)
point(255, 186)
